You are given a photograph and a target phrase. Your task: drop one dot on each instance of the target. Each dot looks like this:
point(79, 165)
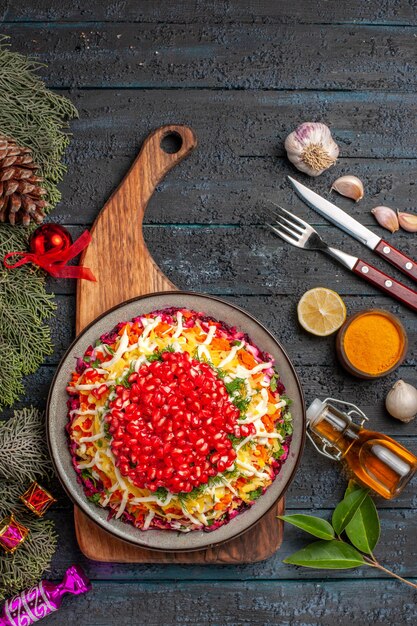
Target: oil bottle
point(376, 460)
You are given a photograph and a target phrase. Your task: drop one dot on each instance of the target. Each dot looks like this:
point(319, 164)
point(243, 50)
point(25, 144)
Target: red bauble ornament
point(50, 237)
point(51, 248)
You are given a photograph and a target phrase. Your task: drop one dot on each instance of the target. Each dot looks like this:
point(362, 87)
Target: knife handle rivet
point(388, 283)
point(365, 269)
point(409, 266)
point(386, 250)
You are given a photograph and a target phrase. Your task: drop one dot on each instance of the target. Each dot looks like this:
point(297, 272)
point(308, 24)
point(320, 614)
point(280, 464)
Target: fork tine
point(283, 236)
point(291, 232)
point(281, 218)
point(278, 216)
point(290, 216)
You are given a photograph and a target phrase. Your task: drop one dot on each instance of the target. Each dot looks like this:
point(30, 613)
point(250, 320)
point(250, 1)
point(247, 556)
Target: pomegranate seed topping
point(170, 426)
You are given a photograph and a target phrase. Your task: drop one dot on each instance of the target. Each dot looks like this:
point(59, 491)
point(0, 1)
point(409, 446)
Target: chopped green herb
point(95, 498)
point(273, 384)
point(220, 372)
point(253, 495)
point(157, 356)
point(86, 474)
point(241, 403)
point(109, 349)
point(232, 474)
point(237, 391)
point(214, 481)
point(154, 357)
point(210, 522)
point(278, 454)
point(99, 443)
point(287, 425)
point(161, 493)
point(234, 386)
point(234, 440)
point(106, 430)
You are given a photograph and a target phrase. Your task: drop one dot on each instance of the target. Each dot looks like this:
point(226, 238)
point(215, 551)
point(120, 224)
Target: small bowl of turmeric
point(371, 344)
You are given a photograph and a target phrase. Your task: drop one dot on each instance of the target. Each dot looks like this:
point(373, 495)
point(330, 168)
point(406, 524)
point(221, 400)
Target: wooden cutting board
point(124, 269)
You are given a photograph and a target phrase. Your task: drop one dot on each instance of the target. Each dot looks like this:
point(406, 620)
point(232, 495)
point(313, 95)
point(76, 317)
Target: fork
point(299, 233)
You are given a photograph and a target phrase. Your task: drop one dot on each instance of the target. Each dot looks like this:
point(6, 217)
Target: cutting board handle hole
point(171, 143)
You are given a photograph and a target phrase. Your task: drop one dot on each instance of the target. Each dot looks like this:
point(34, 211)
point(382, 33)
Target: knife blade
point(350, 225)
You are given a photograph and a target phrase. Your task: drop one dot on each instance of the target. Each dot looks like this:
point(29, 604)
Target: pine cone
point(20, 193)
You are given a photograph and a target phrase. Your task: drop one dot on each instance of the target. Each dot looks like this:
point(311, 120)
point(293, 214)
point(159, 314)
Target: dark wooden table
point(243, 74)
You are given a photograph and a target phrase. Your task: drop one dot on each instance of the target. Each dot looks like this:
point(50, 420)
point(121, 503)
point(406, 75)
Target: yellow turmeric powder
point(373, 343)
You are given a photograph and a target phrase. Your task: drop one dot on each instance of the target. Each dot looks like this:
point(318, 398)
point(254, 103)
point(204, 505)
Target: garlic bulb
point(408, 221)
point(311, 148)
point(349, 186)
point(386, 217)
point(401, 401)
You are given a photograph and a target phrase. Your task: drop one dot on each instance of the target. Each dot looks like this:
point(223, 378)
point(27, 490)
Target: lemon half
point(321, 311)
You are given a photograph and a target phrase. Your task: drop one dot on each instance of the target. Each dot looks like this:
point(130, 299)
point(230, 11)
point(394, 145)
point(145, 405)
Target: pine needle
point(37, 118)
point(26, 566)
point(23, 451)
point(34, 116)
point(23, 458)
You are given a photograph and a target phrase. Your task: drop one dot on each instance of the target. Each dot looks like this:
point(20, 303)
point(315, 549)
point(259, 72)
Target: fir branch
point(9, 497)
point(23, 453)
point(24, 306)
point(26, 566)
point(34, 116)
point(10, 373)
point(23, 458)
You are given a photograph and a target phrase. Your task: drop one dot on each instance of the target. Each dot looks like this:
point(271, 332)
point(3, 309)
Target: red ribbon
point(54, 261)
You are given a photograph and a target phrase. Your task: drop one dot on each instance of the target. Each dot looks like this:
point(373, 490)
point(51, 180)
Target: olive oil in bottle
point(376, 461)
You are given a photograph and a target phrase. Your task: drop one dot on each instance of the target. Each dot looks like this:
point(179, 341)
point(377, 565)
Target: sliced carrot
point(219, 343)
point(104, 478)
point(258, 377)
point(133, 338)
point(268, 423)
point(272, 398)
point(262, 452)
point(246, 359)
point(162, 327)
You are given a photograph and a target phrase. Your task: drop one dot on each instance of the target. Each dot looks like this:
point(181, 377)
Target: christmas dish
point(58, 422)
point(177, 421)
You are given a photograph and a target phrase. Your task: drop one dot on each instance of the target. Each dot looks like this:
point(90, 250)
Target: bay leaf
point(327, 555)
point(347, 508)
point(364, 528)
point(315, 526)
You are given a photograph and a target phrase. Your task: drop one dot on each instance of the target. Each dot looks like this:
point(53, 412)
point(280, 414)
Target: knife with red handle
point(386, 283)
point(351, 226)
point(397, 258)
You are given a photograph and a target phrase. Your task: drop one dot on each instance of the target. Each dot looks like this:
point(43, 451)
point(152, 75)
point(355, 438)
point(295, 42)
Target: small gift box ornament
point(12, 534)
point(37, 499)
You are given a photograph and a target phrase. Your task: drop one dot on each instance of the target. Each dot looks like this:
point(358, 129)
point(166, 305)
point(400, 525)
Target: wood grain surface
point(242, 74)
point(117, 254)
